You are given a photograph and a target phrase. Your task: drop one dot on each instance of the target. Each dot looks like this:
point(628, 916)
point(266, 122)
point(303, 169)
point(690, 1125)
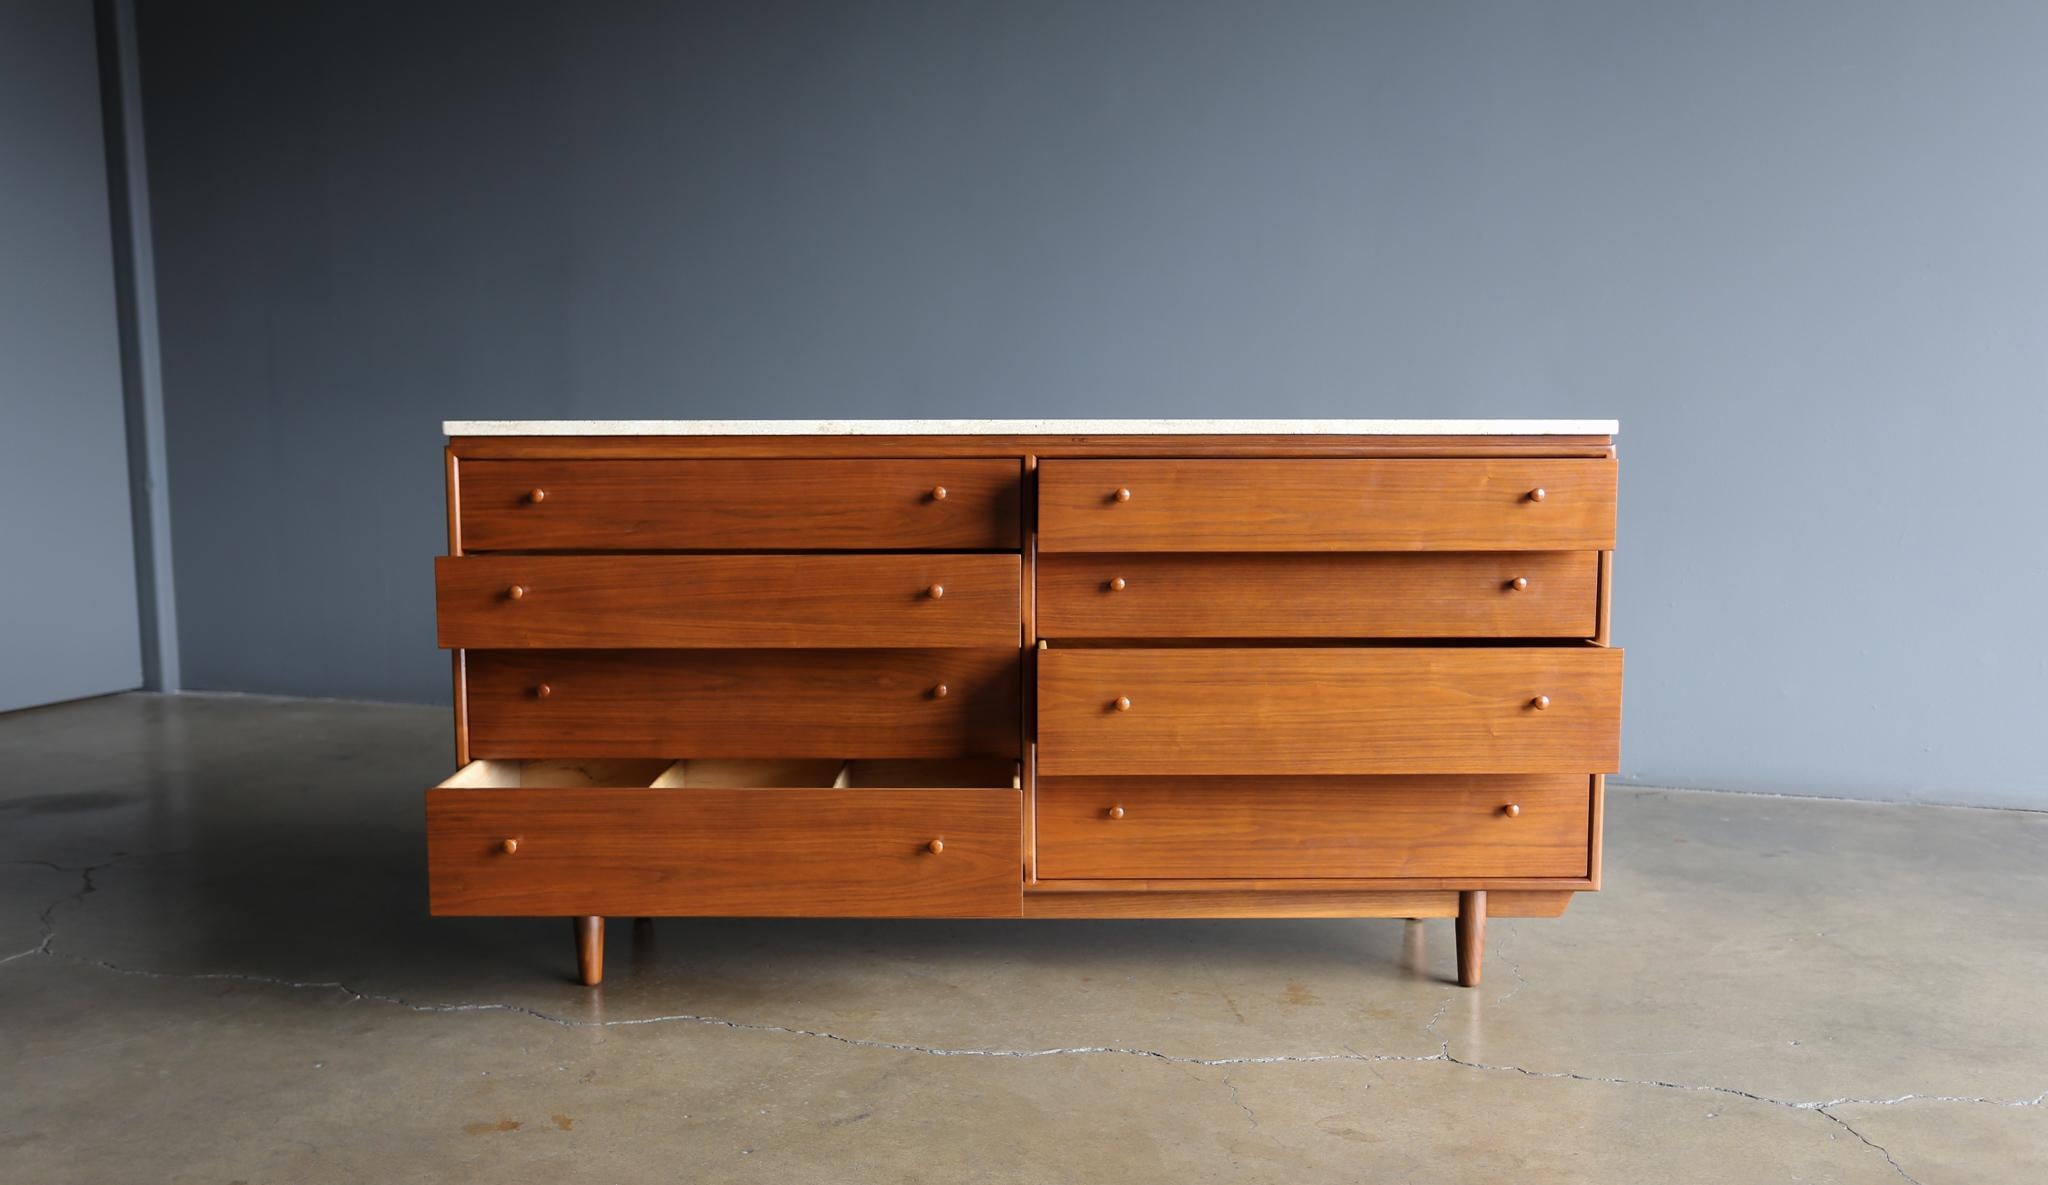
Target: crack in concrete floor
point(48, 917)
point(1250, 1115)
point(1499, 955)
point(1444, 1056)
point(1443, 1053)
point(1886, 1152)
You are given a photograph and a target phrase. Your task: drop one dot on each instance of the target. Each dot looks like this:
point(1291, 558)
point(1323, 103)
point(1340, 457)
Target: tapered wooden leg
point(590, 950)
point(1471, 935)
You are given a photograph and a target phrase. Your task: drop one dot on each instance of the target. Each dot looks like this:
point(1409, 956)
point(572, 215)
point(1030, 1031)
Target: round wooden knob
point(1117, 584)
point(1123, 703)
point(509, 846)
point(1537, 494)
point(1116, 812)
point(938, 493)
point(1124, 494)
point(1512, 810)
point(1540, 702)
point(935, 591)
point(516, 591)
point(941, 691)
point(1519, 583)
point(537, 496)
point(543, 691)
point(936, 846)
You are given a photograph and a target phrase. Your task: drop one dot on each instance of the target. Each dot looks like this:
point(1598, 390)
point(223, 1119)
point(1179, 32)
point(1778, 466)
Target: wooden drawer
point(1352, 710)
point(1117, 828)
point(640, 851)
point(818, 601)
point(744, 703)
point(1326, 505)
point(1357, 595)
point(749, 505)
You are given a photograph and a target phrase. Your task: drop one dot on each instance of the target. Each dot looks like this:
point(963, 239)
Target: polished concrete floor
point(216, 966)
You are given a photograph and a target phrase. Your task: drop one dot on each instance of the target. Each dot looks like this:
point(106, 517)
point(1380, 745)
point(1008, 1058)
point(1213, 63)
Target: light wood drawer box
point(1277, 828)
point(641, 851)
point(815, 601)
point(1326, 505)
point(1329, 710)
point(741, 505)
point(744, 703)
point(1320, 595)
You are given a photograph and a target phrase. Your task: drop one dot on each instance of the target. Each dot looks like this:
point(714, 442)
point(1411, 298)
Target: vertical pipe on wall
point(141, 365)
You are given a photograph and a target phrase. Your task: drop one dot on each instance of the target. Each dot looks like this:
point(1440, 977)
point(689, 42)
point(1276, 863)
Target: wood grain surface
point(1328, 710)
point(1326, 505)
point(1268, 762)
point(1319, 595)
point(1449, 826)
point(767, 853)
point(665, 601)
point(1164, 899)
point(1048, 900)
point(741, 505)
point(743, 703)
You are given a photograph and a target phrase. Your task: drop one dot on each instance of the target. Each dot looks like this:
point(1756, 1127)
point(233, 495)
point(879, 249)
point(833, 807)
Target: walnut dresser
point(1062, 669)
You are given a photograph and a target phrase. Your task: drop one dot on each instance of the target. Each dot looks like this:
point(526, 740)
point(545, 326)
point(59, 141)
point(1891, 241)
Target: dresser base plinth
point(1046, 901)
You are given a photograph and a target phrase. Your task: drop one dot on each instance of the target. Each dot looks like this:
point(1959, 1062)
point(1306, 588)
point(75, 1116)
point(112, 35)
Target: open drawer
point(726, 838)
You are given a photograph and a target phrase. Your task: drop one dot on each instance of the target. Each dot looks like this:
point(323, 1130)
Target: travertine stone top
point(1031, 427)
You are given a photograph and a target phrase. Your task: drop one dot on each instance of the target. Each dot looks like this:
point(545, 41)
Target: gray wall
point(1798, 248)
point(67, 560)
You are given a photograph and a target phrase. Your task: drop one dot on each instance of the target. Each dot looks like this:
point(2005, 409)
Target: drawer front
point(744, 703)
point(1165, 828)
point(1318, 505)
point(1357, 710)
point(818, 601)
point(769, 853)
point(685, 505)
point(1360, 595)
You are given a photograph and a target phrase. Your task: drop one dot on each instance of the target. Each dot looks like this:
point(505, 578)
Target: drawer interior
point(734, 773)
